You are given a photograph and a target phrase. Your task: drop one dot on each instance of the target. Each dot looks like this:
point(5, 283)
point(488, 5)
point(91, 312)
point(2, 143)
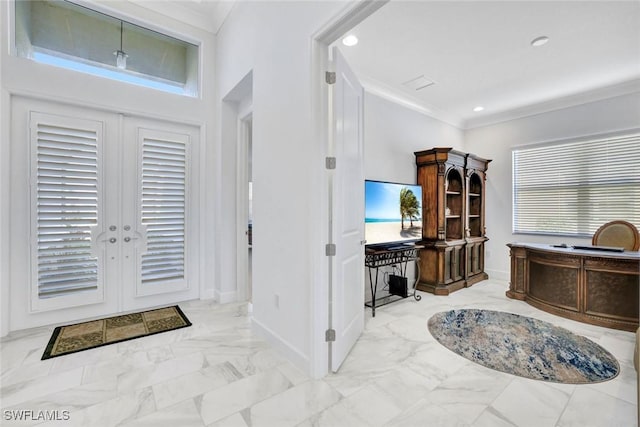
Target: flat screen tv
point(393, 213)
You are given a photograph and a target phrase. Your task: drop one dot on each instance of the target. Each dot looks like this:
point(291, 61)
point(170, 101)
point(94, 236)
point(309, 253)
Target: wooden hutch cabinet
point(453, 219)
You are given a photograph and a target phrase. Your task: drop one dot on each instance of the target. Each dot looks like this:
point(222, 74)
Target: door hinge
point(330, 77)
point(330, 335)
point(330, 249)
point(330, 162)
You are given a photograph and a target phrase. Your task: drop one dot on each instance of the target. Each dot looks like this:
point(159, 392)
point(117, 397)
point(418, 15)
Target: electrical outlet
point(487, 254)
point(276, 300)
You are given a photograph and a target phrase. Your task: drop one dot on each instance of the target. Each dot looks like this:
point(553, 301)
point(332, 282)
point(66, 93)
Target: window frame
point(190, 89)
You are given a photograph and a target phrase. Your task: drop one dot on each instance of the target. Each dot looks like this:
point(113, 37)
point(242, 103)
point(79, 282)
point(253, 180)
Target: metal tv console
point(400, 255)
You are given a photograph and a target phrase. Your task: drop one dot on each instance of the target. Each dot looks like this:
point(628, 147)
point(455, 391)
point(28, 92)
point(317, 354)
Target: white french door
point(101, 213)
point(155, 226)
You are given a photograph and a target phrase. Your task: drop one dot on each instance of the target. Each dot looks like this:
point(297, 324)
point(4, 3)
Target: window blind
point(67, 208)
point(163, 209)
point(573, 188)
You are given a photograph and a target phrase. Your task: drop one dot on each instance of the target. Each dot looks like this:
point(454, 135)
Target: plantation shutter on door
point(164, 195)
point(66, 194)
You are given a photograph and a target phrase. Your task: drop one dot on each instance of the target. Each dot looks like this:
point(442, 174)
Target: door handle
point(128, 239)
point(112, 240)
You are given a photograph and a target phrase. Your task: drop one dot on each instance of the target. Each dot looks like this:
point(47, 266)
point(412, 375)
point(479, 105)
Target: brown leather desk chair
point(617, 233)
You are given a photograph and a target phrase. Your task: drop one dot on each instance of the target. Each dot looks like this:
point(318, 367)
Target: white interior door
point(348, 211)
point(100, 213)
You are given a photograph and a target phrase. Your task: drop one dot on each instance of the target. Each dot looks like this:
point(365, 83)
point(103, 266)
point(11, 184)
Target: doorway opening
point(246, 180)
point(335, 313)
point(237, 130)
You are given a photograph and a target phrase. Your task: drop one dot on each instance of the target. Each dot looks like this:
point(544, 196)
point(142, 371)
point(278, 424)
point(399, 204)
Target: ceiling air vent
point(418, 83)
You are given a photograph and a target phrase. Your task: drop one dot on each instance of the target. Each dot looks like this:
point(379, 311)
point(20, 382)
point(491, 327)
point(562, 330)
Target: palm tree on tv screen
point(409, 206)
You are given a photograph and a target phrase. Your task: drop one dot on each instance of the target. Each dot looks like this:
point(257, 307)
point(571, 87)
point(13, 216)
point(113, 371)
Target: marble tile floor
point(218, 373)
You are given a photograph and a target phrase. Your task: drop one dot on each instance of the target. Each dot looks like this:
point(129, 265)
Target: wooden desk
point(596, 287)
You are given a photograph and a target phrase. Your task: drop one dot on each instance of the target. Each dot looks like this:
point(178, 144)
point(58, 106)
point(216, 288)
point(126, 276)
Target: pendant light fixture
point(121, 56)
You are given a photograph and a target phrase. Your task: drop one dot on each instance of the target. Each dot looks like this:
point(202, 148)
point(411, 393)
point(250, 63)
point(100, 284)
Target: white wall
point(393, 133)
point(274, 41)
point(23, 77)
point(496, 141)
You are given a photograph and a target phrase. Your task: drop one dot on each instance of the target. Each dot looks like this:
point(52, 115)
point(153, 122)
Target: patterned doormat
point(523, 346)
point(96, 333)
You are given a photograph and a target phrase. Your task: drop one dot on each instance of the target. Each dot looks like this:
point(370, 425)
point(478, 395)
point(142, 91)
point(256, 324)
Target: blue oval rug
point(523, 346)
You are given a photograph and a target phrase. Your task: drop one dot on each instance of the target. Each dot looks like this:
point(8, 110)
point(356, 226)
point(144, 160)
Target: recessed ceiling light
point(350, 40)
point(478, 108)
point(539, 41)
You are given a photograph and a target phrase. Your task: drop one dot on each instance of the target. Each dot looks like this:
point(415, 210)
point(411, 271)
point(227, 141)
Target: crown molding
point(209, 19)
point(395, 95)
point(612, 91)
point(383, 90)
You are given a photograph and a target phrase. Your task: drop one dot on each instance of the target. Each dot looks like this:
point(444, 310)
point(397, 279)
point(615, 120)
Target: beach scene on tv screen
point(392, 212)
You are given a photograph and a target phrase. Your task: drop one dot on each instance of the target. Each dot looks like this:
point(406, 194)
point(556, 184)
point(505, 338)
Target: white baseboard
point(225, 297)
point(498, 275)
point(207, 294)
point(284, 348)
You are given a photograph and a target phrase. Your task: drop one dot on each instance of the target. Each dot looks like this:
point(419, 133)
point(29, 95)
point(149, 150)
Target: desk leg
point(373, 285)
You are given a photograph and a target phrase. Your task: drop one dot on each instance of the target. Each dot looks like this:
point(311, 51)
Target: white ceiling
point(479, 53)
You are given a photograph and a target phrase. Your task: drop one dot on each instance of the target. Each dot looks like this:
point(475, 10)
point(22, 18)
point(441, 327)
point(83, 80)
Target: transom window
point(71, 36)
point(572, 188)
